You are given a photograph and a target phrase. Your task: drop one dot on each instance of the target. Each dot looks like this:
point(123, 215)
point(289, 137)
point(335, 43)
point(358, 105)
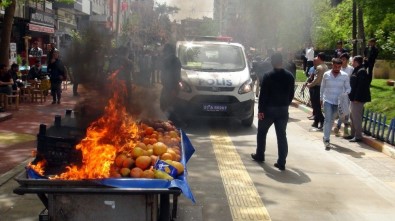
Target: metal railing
point(374, 124)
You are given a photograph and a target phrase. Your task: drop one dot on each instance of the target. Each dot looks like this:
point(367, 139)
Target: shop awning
point(40, 28)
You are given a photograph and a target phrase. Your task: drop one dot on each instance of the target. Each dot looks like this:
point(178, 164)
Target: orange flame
point(114, 132)
point(39, 167)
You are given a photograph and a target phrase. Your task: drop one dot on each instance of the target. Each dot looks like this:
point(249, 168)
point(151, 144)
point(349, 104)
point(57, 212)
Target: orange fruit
point(125, 172)
point(177, 158)
point(136, 152)
point(159, 148)
point(128, 163)
point(143, 162)
point(148, 174)
point(173, 134)
point(152, 140)
point(178, 166)
point(149, 130)
point(136, 172)
point(172, 152)
point(176, 150)
point(142, 145)
point(166, 156)
point(146, 141)
point(119, 159)
point(150, 152)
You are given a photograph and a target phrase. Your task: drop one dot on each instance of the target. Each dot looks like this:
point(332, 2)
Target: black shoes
point(355, 140)
point(256, 158)
point(53, 102)
point(279, 167)
point(315, 125)
point(349, 137)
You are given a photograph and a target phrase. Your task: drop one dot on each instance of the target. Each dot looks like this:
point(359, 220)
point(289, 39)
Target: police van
point(215, 80)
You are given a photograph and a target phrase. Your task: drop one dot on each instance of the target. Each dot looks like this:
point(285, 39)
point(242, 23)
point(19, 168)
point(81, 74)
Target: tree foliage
point(333, 22)
point(148, 27)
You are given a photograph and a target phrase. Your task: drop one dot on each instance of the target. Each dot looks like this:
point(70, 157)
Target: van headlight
point(246, 87)
point(184, 87)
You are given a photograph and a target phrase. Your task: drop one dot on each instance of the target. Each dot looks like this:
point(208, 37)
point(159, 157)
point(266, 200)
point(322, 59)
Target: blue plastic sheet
point(180, 182)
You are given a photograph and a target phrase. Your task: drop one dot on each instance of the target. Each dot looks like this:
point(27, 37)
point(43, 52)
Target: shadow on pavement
point(290, 175)
point(347, 151)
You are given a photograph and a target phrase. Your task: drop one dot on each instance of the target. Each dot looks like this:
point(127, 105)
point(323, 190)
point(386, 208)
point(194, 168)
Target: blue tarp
point(180, 182)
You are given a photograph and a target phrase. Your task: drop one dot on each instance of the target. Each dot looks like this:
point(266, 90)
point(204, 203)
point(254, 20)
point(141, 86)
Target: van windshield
point(211, 57)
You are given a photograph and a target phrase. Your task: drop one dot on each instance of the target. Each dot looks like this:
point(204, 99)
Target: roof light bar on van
point(209, 38)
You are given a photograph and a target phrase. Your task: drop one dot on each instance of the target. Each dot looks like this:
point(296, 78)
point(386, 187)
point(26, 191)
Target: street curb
point(5, 116)
point(370, 141)
point(4, 178)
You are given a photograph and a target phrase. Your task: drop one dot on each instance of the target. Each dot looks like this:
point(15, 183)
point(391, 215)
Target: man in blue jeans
point(334, 83)
point(276, 94)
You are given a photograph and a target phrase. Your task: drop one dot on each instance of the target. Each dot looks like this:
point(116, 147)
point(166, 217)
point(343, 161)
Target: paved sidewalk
point(383, 147)
point(18, 134)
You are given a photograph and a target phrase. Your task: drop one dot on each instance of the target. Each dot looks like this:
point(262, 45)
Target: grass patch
point(300, 76)
point(383, 99)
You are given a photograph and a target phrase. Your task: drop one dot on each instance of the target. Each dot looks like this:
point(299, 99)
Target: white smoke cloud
point(190, 8)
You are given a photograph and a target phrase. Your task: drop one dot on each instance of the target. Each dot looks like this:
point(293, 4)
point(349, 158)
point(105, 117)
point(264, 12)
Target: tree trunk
point(6, 33)
point(354, 28)
point(361, 30)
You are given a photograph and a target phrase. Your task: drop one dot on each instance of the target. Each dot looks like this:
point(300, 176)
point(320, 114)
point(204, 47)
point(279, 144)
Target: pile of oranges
point(158, 140)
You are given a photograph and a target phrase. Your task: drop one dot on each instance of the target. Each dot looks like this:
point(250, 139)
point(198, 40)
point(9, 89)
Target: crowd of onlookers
point(323, 92)
point(12, 79)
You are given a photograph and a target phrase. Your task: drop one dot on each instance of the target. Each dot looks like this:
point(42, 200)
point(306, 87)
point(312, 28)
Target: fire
point(114, 132)
point(39, 167)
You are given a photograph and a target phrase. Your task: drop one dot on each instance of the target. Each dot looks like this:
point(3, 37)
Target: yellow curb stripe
point(243, 198)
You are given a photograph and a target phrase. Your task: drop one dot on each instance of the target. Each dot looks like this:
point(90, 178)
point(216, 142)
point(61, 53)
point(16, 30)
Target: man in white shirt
point(334, 83)
point(348, 69)
point(310, 57)
point(36, 51)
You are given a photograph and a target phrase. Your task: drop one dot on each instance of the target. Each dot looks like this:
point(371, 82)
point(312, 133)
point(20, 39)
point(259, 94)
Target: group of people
point(326, 86)
point(12, 79)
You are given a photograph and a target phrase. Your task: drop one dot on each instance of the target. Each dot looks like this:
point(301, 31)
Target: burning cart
point(102, 198)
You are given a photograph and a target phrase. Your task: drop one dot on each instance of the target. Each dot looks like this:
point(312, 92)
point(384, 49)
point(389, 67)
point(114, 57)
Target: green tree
point(374, 18)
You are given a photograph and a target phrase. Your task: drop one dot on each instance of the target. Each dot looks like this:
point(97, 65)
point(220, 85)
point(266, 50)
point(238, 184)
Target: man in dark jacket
point(371, 52)
point(57, 74)
point(359, 95)
point(277, 92)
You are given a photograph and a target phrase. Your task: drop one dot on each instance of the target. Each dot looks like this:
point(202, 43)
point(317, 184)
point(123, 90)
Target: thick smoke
point(92, 58)
point(191, 9)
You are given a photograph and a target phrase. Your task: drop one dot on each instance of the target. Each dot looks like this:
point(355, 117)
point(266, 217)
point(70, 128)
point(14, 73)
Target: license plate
point(215, 107)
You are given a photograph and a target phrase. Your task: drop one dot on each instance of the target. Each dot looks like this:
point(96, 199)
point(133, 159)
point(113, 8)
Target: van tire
point(248, 122)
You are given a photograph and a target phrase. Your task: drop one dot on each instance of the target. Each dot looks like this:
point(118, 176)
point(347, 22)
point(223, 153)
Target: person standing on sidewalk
point(315, 86)
point(348, 69)
point(57, 74)
point(371, 52)
point(277, 92)
point(309, 57)
point(359, 95)
point(334, 83)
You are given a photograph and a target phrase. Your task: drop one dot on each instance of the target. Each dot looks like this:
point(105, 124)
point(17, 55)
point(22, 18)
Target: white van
point(215, 80)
